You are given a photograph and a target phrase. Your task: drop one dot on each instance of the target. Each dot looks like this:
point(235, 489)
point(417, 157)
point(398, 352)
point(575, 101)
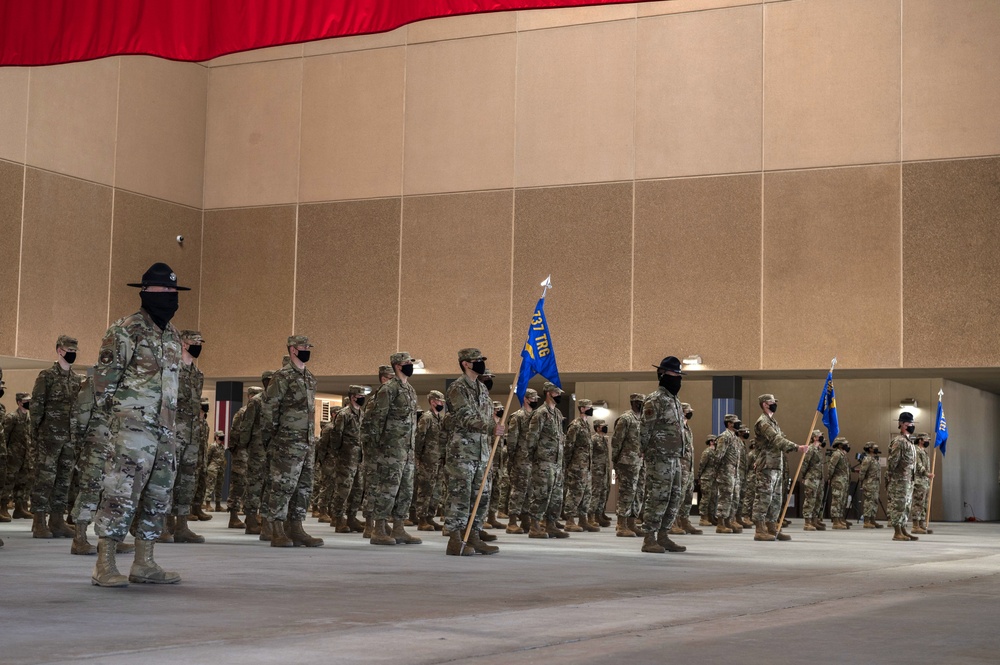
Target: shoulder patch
point(107, 355)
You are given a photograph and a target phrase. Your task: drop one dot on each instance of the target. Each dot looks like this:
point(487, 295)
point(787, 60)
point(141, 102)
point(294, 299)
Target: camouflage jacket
point(706, 465)
point(52, 401)
point(839, 467)
point(137, 373)
point(288, 412)
point(393, 418)
point(470, 416)
point(688, 447)
point(727, 452)
point(600, 461)
point(771, 443)
point(812, 465)
point(17, 431)
point(247, 432)
point(749, 459)
point(921, 464)
point(578, 445)
point(428, 445)
point(870, 472)
point(661, 432)
point(344, 433)
point(234, 442)
point(3, 438)
point(216, 456)
point(545, 436)
point(625, 444)
point(517, 431)
point(189, 386)
point(902, 457)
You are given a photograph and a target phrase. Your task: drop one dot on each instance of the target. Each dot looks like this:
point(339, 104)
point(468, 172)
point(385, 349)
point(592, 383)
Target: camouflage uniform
point(813, 464)
point(393, 420)
point(545, 445)
point(921, 482)
point(627, 458)
point(215, 465)
point(287, 422)
point(662, 445)
point(499, 463)
point(429, 449)
point(687, 471)
point(707, 496)
point(770, 444)
point(840, 477)
point(578, 465)
point(600, 465)
point(749, 482)
point(201, 486)
point(471, 424)
point(20, 456)
point(250, 436)
point(899, 479)
point(189, 386)
point(343, 457)
point(239, 461)
point(519, 458)
point(727, 459)
point(870, 476)
point(52, 402)
point(92, 439)
point(135, 385)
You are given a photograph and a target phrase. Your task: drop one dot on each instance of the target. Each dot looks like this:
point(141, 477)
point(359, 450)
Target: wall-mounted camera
point(180, 240)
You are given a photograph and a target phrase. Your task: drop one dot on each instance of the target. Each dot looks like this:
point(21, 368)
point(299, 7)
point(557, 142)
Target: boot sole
point(145, 580)
point(117, 585)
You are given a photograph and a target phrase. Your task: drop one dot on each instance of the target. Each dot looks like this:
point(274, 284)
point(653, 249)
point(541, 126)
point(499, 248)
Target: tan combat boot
point(602, 519)
point(167, 535)
point(584, 521)
point(630, 523)
point(571, 526)
point(457, 548)
point(513, 527)
point(721, 527)
point(552, 528)
point(478, 545)
point(234, 520)
point(690, 528)
point(918, 528)
point(839, 524)
point(876, 524)
point(650, 546)
point(340, 525)
point(218, 507)
point(39, 528)
point(907, 533)
point(536, 530)
point(252, 525)
point(926, 528)
point(898, 534)
point(124, 548)
point(818, 523)
point(746, 522)
point(380, 534)
point(299, 537)
point(663, 540)
point(4, 515)
point(21, 512)
point(704, 521)
point(265, 529)
point(105, 570)
point(80, 544)
point(146, 571)
point(401, 537)
point(278, 536)
point(734, 525)
point(199, 513)
point(526, 521)
point(355, 525)
point(808, 525)
point(621, 527)
point(676, 529)
point(486, 536)
point(324, 518)
point(761, 532)
point(59, 528)
point(183, 533)
point(369, 529)
point(772, 529)
point(492, 522)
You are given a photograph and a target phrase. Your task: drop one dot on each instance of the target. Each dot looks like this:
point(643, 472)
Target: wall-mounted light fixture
point(692, 361)
point(908, 403)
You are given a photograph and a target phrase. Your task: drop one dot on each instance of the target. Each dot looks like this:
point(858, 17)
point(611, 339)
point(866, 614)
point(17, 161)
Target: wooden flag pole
point(930, 494)
point(486, 473)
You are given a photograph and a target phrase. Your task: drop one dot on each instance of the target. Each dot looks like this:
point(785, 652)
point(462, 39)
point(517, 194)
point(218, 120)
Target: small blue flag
point(538, 356)
point(941, 428)
point(828, 407)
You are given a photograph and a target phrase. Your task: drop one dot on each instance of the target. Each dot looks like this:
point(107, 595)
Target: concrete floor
point(830, 597)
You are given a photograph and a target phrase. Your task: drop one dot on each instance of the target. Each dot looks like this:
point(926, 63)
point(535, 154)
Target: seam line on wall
point(114, 187)
point(402, 199)
point(24, 194)
point(900, 183)
point(631, 292)
point(513, 208)
point(763, 63)
point(298, 184)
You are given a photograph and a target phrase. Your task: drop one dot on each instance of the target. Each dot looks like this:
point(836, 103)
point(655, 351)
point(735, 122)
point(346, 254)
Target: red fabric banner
point(47, 32)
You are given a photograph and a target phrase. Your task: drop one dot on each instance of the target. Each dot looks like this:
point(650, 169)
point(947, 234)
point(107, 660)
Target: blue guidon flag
point(538, 356)
point(940, 427)
point(828, 407)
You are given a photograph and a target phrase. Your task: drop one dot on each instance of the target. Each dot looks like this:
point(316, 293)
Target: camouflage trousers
point(55, 458)
point(627, 479)
point(748, 494)
point(464, 480)
point(519, 472)
point(578, 491)
point(186, 481)
point(391, 486)
point(322, 495)
point(138, 481)
point(544, 480)
point(919, 507)
point(239, 461)
point(291, 479)
point(812, 495)
point(94, 452)
point(839, 490)
point(504, 489)
point(257, 471)
point(900, 491)
point(600, 486)
point(202, 477)
point(213, 482)
point(427, 488)
point(871, 491)
point(725, 490)
point(341, 477)
point(496, 476)
point(687, 492)
point(663, 493)
point(558, 495)
point(18, 478)
point(357, 495)
point(768, 501)
point(708, 498)
point(640, 491)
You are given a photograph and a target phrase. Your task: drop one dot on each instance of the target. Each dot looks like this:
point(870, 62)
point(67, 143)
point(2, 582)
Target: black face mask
point(672, 384)
point(687, 416)
point(745, 435)
point(2, 392)
point(439, 407)
point(557, 399)
point(479, 366)
point(604, 430)
point(26, 405)
point(822, 444)
point(70, 357)
point(204, 408)
point(406, 370)
point(304, 355)
point(910, 429)
point(488, 383)
point(499, 413)
point(773, 408)
point(534, 404)
point(589, 412)
point(161, 306)
point(360, 401)
point(636, 406)
point(195, 350)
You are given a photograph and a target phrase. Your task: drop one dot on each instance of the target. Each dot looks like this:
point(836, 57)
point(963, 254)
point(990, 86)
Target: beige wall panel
point(286, 52)
point(247, 289)
point(252, 143)
point(583, 237)
point(681, 226)
point(831, 268)
point(950, 280)
point(951, 69)
point(575, 104)
point(831, 83)
point(460, 115)
point(347, 293)
point(161, 129)
point(680, 6)
point(11, 193)
point(64, 267)
point(455, 296)
point(71, 119)
point(352, 125)
point(395, 37)
point(457, 27)
point(536, 19)
point(145, 231)
point(698, 94)
point(14, 111)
